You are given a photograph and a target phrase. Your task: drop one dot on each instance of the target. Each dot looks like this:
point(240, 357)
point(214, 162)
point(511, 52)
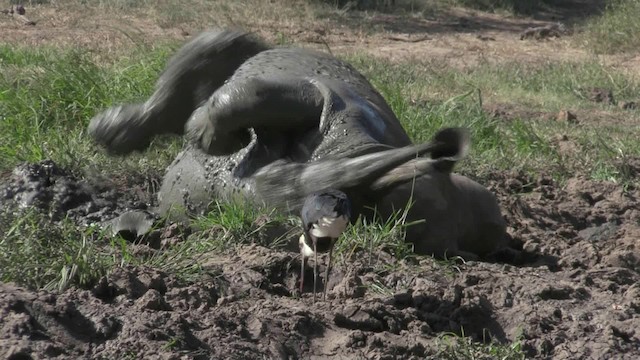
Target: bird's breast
point(305, 249)
point(323, 245)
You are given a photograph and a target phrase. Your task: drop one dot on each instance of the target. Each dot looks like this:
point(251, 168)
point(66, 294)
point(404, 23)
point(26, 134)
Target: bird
point(325, 216)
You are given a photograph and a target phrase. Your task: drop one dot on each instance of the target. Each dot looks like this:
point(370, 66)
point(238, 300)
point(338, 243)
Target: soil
point(570, 288)
point(571, 292)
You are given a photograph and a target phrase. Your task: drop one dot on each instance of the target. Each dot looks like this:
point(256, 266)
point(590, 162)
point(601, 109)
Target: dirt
point(570, 289)
point(60, 193)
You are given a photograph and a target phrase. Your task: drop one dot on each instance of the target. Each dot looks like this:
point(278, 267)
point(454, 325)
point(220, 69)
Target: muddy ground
point(571, 291)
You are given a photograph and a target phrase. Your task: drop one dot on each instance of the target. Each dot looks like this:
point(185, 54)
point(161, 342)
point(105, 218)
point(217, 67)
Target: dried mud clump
point(573, 293)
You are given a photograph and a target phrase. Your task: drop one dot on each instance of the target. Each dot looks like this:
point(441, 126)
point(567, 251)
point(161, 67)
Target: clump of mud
point(60, 194)
point(577, 297)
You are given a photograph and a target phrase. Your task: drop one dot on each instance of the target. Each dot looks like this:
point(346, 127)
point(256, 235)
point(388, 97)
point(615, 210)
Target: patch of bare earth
point(463, 37)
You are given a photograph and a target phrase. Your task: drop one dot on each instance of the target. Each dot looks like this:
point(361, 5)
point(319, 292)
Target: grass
point(51, 94)
point(371, 237)
point(616, 31)
point(453, 347)
point(37, 253)
point(227, 226)
point(429, 96)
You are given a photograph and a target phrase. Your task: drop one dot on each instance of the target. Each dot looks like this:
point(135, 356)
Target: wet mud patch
point(60, 193)
point(574, 295)
point(583, 223)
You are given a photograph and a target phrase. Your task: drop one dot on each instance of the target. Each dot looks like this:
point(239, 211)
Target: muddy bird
point(325, 216)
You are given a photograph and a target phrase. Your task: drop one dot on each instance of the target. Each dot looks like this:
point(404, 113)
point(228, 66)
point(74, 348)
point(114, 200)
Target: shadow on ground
point(407, 18)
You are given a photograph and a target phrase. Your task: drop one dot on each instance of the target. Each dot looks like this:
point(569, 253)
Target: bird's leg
point(315, 269)
point(326, 274)
point(301, 270)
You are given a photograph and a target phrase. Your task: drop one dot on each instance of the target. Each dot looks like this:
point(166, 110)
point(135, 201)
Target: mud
point(571, 292)
point(90, 199)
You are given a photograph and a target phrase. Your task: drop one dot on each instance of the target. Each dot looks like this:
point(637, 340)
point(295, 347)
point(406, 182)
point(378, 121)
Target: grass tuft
point(241, 222)
point(372, 237)
point(226, 226)
point(38, 253)
point(452, 346)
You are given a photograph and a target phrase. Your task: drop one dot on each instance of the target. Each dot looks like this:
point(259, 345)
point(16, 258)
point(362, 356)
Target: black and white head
point(325, 216)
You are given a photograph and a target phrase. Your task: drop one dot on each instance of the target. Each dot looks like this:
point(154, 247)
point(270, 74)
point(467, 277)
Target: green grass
point(370, 237)
point(616, 31)
point(243, 222)
point(549, 86)
point(429, 96)
point(227, 226)
point(51, 94)
point(453, 347)
point(37, 253)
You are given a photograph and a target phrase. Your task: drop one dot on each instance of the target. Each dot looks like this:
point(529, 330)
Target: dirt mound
point(59, 193)
point(584, 224)
point(575, 293)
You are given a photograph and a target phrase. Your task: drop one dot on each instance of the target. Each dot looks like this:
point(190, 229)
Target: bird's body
point(325, 216)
